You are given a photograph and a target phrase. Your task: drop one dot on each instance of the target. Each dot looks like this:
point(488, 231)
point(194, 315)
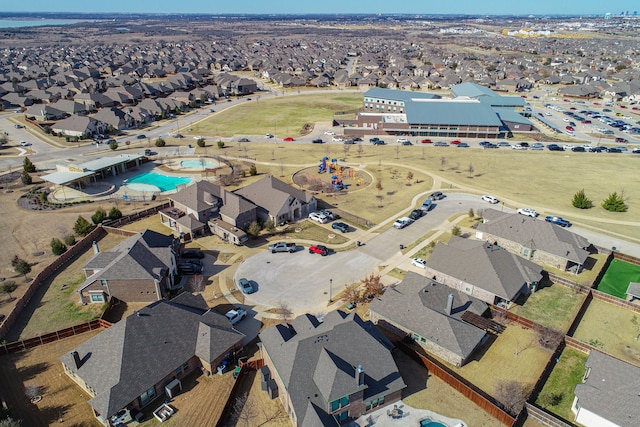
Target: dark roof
point(272, 194)
point(484, 265)
point(419, 304)
point(535, 234)
point(611, 390)
point(317, 361)
point(202, 195)
point(120, 363)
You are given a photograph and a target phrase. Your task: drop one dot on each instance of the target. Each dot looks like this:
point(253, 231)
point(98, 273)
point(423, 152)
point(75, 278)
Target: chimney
point(360, 375)
point(96, 249)
point(76, 359)
point(449, 305)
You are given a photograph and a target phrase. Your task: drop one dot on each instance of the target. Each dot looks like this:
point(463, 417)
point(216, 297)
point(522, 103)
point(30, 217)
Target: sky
point(474, 7)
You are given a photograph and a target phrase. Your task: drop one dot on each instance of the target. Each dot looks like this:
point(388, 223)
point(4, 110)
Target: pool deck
point(411, 417)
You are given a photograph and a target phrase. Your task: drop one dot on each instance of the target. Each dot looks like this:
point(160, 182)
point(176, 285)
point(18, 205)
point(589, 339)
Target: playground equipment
point(337, 183)
point(322, 167)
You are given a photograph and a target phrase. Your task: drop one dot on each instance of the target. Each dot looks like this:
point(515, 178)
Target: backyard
point(557, 394)
point(617, 278)
point(613, 329)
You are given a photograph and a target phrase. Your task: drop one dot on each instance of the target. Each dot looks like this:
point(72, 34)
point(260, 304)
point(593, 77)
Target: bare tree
point(397, 151)
point(244, 409)
point(549, 339)
point(352, 294)
point(196, 284)
point(423, 152)
point(379, 188)
point(373, 286)
point(520, 347)
point(443, 162)
point(470, 169)
point(360, 149)
point(227, 179)
point(409, 177)
point(32, 391)
point(512, 395)
point(346, 148)
point(284, 311)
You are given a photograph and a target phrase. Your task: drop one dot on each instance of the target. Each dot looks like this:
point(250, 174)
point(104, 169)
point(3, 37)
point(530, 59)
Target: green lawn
point(613, 329)
point(553, 306)
point(616, 280)
point(281, 116)
point(557, 393)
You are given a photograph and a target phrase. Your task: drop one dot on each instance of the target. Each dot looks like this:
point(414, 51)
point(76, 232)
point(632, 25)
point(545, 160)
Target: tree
point(115, 213)
point(160, 142)
point(471, 213)
point(220, 144)
point(26, 178)
point(57, 247)
point(254, 229)
point(23, 268)
point(15, 260)
point(27, 166)
point(581, 201)
point(549, 339)
point(32, 391)
point(244, 409)
point(70, 240)
point(512, 395)
point(443, 162)
point(196, 284)
point(200, 142)
point(470, 169)
point(409, 177)
point(99, 216)
point(253, 171)
point(82, 227)
point(8, 287)
point(379, 188)
point(615, 202)
point(456, 230)
point(113, 145)
point(284, 311)
point(352, 294)
point(269, 225)
point(373, 286)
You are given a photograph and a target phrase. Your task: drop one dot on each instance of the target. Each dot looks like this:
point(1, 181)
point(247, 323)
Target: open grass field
point(557, 394)
point(426, 391)
point(55, 306)
point(612, 329)
point(553, 306)
point(616, 280)
point(516, 350)
point(283, 117)
point(63, 402)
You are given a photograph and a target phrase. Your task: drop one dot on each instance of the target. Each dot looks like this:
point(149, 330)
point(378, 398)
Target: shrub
point(200, 142)
point(23, 268)
point(269, 225)
point(113, 145)
point(581, 201)
point(57, 247)
point(160, 142)
point(26, 178)
point(8, 287)
point(253, 171)
point(456, 230)
point(220, 144)
point(28, 166)
point(115, 213)
point(253, 229)
point(471, 213)
point(70, 240)
point(82, 227)
point(615, 203)
point(99, 216)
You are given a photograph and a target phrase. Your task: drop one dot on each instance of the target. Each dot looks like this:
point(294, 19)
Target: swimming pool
point(198, 164)
point(151, 181)
point(431, 423)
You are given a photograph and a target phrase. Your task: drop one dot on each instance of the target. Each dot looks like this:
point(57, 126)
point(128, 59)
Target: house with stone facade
point(147, 355)
point(139, 269)
point(483, 270)
point(430, 313)
point(534, 239)
point(332, 371)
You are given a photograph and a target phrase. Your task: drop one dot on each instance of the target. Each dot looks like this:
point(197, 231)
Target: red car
point(288, 139)
point(426, 141)
point(455, 142)
point(319, 249)
point(569, 128)
point(623, 140)
point(623, 106)
point(596, 103)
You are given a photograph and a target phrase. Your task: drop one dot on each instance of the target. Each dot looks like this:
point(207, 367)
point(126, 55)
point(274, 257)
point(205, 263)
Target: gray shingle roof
point(484, 265)
point(418, 304)
point(272, 194)
point(317, 361)
point(125, 360)
point(612, 390)
point(536, 234)
point(203, 194)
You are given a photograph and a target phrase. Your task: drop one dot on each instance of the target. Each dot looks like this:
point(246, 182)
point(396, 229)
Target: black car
point(243, 140)
point(349, 141)
point(490, 145)
point(614, 150)
point(332, 216)
point(597, 149)
point(524, 144)
point(192, 253)
point(141, 136)
point(554, 147)
point(416, 214)
point(578, 149)
point(318, 141)
point(357, 139)
point(188, 268)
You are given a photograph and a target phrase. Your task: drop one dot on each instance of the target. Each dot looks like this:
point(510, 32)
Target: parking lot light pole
point(330, 290)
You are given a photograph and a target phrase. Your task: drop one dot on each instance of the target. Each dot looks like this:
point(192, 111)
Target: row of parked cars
point(324, 216)
point(416, 214)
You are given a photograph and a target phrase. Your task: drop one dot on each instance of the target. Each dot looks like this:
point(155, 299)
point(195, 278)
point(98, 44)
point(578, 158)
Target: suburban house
point(139, 269)
point(330, 372)
point(483, 270)
point(608, 395)
point(203, 204)
point(79, 126)
point(534, 239)
point(278, 201)
point(430, 313)
point(146, 355)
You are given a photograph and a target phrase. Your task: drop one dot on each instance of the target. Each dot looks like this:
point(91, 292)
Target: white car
point(490, 199)
point(318, 217)
point(548, 114)
point(336, 139)
point(568, 147)
point(419, 262)
point(528, 212)
point(329, 132)
point(25, 143)
point(587, 146)
point(566, 120)
point(268, 136)
point(402, 140)
point(235, 316)
point(518, 147)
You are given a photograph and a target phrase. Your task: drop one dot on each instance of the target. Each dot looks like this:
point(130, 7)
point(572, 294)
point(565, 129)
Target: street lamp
point(330, 290)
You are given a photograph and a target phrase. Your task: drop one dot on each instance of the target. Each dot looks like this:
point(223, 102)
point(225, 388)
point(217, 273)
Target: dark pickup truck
point(283, 247)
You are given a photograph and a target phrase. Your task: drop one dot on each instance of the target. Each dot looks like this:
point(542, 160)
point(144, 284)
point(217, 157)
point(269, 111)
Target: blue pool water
point(429, 423)
point(151, 181)
point(197, 164)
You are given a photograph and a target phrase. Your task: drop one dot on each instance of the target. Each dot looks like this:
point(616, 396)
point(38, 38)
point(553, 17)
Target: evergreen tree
point(581, 201)
point(27, 166)
point(615, 203)
point(82, 227)
point(57, 247)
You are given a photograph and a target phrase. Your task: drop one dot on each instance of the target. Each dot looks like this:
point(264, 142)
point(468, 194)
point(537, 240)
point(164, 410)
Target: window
point(97, 298)
point(342, 416)
point(185, 367)
point(178, 370)
point(367, 406)
point(381, 401)
point(103, 282)
point(147, 396)
point(423, 339)
point(339, 403)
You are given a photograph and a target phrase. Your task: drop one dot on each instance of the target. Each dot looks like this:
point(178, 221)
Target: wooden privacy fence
point(135, 216)
point(543, 417)
point(29, 343)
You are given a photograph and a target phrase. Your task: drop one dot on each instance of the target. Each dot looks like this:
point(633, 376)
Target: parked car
point(527, 212)
point(438, 195)
point(349, 141)
point(402, 140)
point(426, 141)
point(357, 139)
point(455, 142)
point(502, 144)
point(518, 147)
point(427, 205)
point(598, 149)
point(318, 141)
point(141, 136)
point(407, 143)
point(329, 132)
point(490, 199)
point(558, 220)
point(319, 249)
point(416, 214)
point(622, 140)
point(318, 217)
point(554, 147)
point(283, 247)
point(340, 226)
point(189, 268)
point(288, 139)
point(578, 149)
point(192, 253)
point(25, 143)
point(332, 216)
point(234, 316)
point(614, 150)
point(378, 142)
point(440, 144)
point(243, 140)
point(402, 222)
point(336, 139)
point(268, 135)
point(245, 286)
point(419, 262)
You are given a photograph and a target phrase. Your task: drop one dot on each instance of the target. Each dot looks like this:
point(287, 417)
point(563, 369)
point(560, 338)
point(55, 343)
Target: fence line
point(252, 366)
point(543, 417)
point(135, 216)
